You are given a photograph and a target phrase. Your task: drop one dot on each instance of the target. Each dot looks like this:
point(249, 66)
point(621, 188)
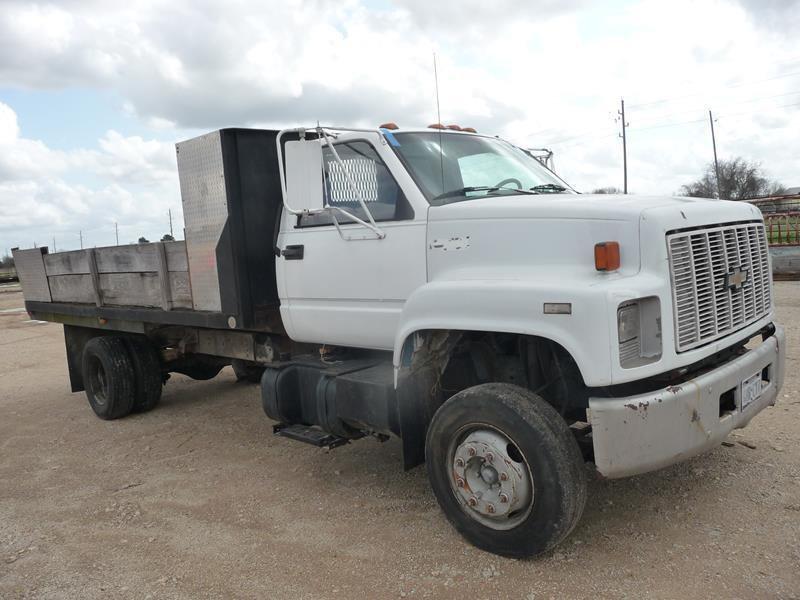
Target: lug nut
point(471, 451)
point(472, 501)
point(459, 482)
point(503, 476)
point(459, 462)
point(490, 508)
point(489, 456)
point(503, 498)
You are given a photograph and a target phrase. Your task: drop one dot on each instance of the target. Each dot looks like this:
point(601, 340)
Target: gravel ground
point(198, 500)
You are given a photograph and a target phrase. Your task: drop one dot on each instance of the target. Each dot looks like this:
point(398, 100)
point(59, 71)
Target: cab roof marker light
point(606, 256)
point(391, 125)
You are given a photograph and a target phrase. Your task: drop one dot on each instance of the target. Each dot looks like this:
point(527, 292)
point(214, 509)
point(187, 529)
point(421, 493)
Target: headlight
point(639, 332)
point(628, 322)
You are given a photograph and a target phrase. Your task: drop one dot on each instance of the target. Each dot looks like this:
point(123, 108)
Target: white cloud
point(129, 180)
point(9, 129)
point(546, 72)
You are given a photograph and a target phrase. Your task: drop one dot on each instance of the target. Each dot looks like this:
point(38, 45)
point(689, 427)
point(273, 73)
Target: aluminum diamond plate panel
point(205, 212)
point(32, 276)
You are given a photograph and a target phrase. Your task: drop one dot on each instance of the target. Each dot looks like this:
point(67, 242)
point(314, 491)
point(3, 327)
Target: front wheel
point(505, 469)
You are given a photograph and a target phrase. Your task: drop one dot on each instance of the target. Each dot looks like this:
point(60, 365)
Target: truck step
point(309, 435)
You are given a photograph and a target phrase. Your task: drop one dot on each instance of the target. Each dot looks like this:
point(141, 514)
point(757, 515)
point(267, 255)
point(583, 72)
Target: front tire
point(108, 377)
point(505, 469)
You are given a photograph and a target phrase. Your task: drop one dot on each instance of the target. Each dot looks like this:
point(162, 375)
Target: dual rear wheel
point(121, 374)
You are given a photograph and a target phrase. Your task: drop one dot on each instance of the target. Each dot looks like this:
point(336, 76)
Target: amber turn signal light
point(606, 256)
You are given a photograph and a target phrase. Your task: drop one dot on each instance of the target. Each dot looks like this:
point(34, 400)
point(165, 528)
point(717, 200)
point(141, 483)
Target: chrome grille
point(704, 267)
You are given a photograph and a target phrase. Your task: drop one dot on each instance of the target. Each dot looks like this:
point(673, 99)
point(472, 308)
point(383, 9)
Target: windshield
point(463, 167)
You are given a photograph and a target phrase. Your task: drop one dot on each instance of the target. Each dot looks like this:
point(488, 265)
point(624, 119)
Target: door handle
point(294, 252)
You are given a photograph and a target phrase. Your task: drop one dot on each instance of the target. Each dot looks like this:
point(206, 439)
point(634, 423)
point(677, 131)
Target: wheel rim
point(490, 477)
point(98, 382)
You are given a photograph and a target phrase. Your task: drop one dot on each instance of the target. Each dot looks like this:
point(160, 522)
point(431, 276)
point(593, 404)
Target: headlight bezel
point(639, 339)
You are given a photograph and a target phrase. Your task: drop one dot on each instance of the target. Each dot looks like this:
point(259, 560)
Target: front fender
point(517, 306)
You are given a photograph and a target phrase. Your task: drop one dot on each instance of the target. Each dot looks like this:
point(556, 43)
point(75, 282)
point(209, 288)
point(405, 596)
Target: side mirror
point(304, 191)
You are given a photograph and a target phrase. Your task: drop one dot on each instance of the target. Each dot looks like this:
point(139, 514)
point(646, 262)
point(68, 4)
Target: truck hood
point(525, 236)
point(614, 207)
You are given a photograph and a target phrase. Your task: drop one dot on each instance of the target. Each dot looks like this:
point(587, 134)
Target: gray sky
point(94, 94)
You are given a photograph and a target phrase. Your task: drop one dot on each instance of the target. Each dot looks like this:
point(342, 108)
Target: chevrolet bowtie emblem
point(735, 278)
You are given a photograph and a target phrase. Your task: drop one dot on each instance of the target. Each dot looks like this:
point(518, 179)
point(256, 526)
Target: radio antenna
point(438, 119)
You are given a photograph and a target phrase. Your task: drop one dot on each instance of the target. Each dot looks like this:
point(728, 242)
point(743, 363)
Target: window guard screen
point(373, 180)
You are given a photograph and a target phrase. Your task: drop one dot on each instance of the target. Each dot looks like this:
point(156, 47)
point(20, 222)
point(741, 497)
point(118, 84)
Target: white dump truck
point(444, 287)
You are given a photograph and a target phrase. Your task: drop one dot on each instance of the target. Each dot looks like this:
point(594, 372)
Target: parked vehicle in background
point(444, 287)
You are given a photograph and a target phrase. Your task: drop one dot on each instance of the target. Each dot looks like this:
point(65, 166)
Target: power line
point(723, 105)
point(750, 112)
point(662, 125)
point(739, 84)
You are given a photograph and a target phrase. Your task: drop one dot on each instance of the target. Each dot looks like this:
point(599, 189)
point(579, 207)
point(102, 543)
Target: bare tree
point(607, 190)
point(739, 179)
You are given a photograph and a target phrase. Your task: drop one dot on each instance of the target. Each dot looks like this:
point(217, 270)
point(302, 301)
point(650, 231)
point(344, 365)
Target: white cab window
point(372, 179)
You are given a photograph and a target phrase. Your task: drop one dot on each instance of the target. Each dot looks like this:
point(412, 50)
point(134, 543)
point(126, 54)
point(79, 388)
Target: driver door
point(352, 292)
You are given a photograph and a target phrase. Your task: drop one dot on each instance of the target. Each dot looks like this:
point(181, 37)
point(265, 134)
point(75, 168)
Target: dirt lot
point(198, 500)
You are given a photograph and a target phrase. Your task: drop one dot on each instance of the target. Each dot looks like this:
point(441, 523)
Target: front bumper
point(642, 433)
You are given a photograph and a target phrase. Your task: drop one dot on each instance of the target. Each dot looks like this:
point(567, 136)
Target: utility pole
point(714, 143)
point(54, 244)
point(169, 212)
point(80, 233)
point(116, 232)
point(624, 146)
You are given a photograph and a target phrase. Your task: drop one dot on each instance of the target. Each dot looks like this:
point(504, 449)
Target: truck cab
point(650, 318)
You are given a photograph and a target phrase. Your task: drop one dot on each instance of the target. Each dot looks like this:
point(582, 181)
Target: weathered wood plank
point(131, 289)
point(92, 259)
point(133, 258)
point(66, 263)
point(122, 289)
point(30, 269)
point(176, 256)
point(72, 288)
point(163, 276)
point(180, 290)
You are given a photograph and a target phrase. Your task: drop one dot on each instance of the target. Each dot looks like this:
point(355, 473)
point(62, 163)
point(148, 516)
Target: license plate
point(751, 389)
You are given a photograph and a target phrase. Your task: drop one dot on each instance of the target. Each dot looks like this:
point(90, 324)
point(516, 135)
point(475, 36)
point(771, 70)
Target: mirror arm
point(369, 225)
point(353, 186)
point(378, 233)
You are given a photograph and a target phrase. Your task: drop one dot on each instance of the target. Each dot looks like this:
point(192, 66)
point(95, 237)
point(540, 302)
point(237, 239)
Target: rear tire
point(147, 371)
point(108, 376)
point(247, 371)
point(506, 469)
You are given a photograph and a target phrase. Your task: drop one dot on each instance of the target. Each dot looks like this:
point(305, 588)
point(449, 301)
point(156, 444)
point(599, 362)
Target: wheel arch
point(514, 307)
point(428, 355)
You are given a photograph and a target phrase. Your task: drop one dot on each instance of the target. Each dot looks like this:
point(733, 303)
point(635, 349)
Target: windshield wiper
point(549, 187)
point(480, 188)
